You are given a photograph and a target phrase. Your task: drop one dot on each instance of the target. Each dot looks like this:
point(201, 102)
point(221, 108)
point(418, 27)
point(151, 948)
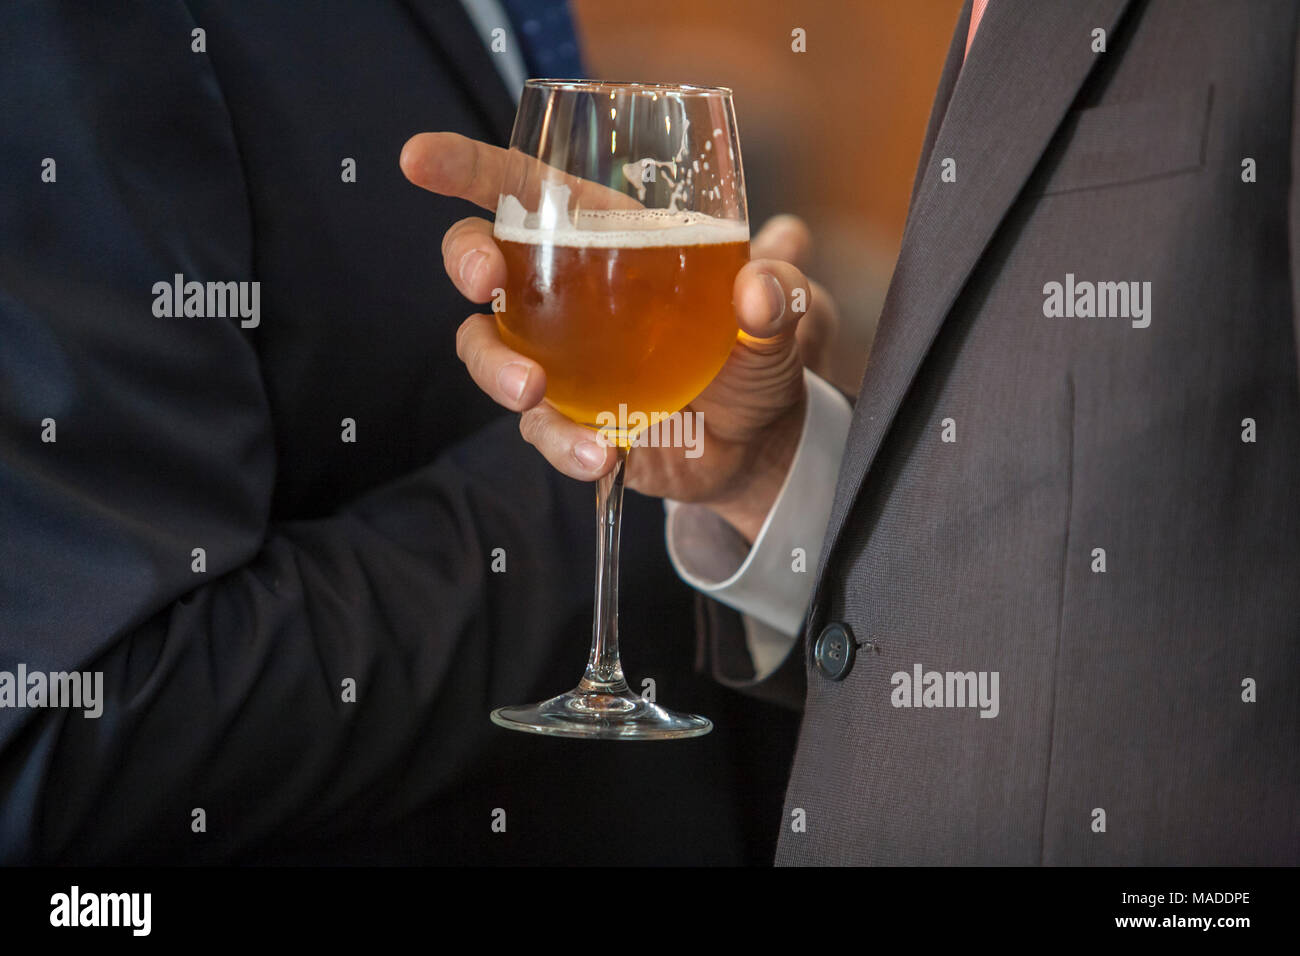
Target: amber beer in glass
point(622, 221)
point(637, 315)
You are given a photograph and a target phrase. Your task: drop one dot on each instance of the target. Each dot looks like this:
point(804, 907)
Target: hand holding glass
point(622, 222)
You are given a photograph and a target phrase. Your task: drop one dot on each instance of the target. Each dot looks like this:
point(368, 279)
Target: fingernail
point(513, 378)
point(775, 297)
point(589, 454)
point(469, 265)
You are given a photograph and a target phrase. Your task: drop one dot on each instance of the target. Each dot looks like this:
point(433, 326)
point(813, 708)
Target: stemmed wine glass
point(623, 224)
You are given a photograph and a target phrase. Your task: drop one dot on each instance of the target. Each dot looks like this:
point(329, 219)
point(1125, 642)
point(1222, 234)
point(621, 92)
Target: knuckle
point(463, 335)
point(532, 425)
point(476, 359)
point(449, 237)
point(462, 235)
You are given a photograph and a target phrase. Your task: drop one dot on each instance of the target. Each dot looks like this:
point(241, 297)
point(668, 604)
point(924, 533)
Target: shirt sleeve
point(771, 582)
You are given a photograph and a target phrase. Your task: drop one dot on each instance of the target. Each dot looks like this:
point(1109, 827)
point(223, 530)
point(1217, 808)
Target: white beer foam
point(613, 228)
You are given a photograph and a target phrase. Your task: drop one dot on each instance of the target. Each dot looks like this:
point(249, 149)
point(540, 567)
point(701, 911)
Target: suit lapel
point(1026, 66)
point(461, 48)
point(947, 80)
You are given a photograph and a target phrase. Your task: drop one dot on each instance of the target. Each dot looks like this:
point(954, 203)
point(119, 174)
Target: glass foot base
point(603, 716)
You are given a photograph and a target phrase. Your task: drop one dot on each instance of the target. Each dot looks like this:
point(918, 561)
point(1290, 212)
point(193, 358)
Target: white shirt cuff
point(771, 582)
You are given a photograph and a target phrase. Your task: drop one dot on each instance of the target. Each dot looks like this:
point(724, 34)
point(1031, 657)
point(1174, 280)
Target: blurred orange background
point(832, 134)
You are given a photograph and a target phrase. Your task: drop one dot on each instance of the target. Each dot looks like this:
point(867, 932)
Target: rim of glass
point(626, 86)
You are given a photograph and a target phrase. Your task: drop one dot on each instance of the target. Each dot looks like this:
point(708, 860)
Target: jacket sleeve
point(273, 675)
point(722, 653)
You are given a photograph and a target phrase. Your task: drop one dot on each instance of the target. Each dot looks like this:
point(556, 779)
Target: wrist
point(770, 458)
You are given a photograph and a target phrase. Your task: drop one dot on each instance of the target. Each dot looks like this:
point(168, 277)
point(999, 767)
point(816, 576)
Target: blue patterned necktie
point(547, 39)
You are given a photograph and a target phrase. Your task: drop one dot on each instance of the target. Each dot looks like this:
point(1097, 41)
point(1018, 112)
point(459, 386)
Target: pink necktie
point(976, 12)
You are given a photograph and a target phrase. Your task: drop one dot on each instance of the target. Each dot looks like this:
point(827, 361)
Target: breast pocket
point(1114, 144)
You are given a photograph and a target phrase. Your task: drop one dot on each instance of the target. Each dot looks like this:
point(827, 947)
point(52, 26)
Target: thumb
point(771, 297)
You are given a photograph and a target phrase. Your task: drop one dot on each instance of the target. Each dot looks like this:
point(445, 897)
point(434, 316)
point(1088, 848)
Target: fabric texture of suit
point(1126, 732)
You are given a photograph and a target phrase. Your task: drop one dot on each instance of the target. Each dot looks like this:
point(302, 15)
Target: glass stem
point(604, 671)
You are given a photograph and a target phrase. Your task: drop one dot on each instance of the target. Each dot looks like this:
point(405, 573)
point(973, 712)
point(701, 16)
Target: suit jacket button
point(833, 651)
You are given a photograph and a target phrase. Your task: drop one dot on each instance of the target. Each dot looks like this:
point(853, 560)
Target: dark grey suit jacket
point(1125, 731)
